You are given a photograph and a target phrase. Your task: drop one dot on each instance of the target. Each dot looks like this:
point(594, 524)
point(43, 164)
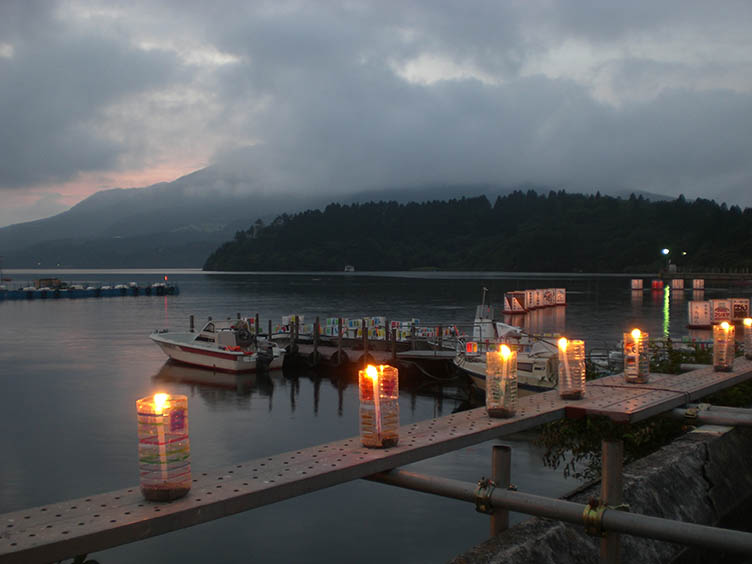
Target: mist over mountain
point(178, 224)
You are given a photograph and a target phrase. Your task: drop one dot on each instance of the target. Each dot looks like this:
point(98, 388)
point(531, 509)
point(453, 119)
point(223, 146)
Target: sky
point(346, 96)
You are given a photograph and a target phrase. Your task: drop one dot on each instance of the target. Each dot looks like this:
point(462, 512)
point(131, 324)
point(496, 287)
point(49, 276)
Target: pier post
point(501, 474)
point(412, 337)
point(339, 341)
point(316, 338)
point(439, 336)
point(238, 315)
point(270, 330)
point(394, 345)
point(365, 342)
point(257, 325)
point(192, 324)
point(612, 486)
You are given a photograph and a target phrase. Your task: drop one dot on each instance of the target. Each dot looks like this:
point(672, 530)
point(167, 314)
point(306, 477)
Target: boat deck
point(82, 526)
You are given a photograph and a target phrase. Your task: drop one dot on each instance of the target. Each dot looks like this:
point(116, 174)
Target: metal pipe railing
point(690, 534)
point(734, 417)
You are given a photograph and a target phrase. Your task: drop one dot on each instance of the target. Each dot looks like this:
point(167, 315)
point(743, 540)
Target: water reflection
point(541, 321)
point(637, 297)
point(215, 387)
point(222, 387)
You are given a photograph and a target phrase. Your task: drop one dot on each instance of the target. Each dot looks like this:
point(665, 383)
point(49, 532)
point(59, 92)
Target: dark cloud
point(360, 95)
point(54, 87)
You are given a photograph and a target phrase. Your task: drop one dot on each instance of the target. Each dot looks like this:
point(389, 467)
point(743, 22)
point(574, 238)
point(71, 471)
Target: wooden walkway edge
point(83, 526)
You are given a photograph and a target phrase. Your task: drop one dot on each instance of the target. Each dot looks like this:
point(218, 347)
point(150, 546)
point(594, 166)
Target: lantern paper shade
point(379, 406)
point(636, 363)
point(723, 347)
point(571, 369)
point(501, 382)
point(748, 337)
point(163, 447)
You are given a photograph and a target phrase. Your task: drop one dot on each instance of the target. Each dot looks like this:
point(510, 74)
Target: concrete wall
point(703, 477)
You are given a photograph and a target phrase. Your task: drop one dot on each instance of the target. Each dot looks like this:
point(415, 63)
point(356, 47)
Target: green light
point(666, 310)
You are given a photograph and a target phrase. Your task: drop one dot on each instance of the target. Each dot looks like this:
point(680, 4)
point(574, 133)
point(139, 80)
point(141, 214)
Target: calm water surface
point(71, 371)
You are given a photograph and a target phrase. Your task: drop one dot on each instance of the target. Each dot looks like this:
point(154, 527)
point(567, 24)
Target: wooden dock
point(82, 526)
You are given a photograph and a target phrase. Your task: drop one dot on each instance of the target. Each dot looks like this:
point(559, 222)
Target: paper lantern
point(163, 446)
point(571, 369)
point(501, 382)
point(723, 347)
point(379, 406)
point(636, 363)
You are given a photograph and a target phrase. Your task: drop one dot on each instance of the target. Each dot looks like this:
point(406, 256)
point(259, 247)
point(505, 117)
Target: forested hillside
point(558, 232)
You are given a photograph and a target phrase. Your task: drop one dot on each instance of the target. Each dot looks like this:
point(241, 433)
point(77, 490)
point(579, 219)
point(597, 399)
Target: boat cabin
point(226, 333)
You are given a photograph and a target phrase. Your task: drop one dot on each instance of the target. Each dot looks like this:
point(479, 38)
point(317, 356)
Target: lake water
point(71, 371)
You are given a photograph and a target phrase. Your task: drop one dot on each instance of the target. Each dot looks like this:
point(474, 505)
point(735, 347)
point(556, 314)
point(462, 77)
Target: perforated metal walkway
point(82, 526)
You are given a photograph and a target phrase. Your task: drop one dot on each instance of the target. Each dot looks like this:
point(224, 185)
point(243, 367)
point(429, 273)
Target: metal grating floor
point(61, 530)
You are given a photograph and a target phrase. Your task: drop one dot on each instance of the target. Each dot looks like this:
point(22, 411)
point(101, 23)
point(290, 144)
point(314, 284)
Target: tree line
point(521, 231)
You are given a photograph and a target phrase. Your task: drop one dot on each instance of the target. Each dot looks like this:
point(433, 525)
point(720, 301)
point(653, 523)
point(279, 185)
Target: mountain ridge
point(179, 222)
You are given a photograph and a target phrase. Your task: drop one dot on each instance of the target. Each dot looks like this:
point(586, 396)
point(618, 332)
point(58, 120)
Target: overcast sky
point(345, 96)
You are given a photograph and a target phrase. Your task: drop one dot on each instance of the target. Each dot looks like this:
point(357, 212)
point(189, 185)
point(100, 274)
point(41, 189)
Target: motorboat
point(537, 356)
point(228, 346)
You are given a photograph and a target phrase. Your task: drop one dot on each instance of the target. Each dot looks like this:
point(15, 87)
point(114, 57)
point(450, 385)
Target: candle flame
point(636, 333)
point(725, 325)
point(563, 343)
point(160, 400)
point(505, 352)
point(748, 321)
point(372, 372)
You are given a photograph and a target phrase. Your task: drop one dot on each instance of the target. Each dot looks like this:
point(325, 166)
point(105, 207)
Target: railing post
point(501, 474)
point(612, 486)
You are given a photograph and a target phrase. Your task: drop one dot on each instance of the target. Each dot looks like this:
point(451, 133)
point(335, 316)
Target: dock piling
point(501, 475)
point(394, 345)
point(339, 341)
point(191, 322)
point(257, 326)
point(612, 486)
point(365, 343)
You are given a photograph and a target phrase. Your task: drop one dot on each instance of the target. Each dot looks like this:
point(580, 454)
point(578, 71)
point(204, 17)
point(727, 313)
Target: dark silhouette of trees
point(522, 231)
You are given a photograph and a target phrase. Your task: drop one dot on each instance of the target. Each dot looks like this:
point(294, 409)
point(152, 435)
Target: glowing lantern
point(471, 347)
point(723, 347)
point(501, 382)
point(571, 369)
point(163, 447)
point(748, 337)
point(636, 364)
point(379, 406)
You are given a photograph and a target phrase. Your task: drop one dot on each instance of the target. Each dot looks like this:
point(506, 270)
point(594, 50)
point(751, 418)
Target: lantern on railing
point(723, 347)
point(748, 338)
point(379, 406)
point(501, 382)
point(636, 363)
point(163, 447)
point(571, 368)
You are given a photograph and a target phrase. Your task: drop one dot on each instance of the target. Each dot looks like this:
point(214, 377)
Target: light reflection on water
point(71, 371)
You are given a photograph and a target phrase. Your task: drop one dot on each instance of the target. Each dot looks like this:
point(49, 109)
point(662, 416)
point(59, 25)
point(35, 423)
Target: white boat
point(227, 346)
point(537, 357)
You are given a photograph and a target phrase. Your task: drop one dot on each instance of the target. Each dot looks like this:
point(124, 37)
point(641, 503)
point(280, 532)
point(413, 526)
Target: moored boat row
point(63, 290)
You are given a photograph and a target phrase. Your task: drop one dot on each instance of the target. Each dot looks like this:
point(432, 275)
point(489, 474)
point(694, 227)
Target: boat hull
point(215, 358)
